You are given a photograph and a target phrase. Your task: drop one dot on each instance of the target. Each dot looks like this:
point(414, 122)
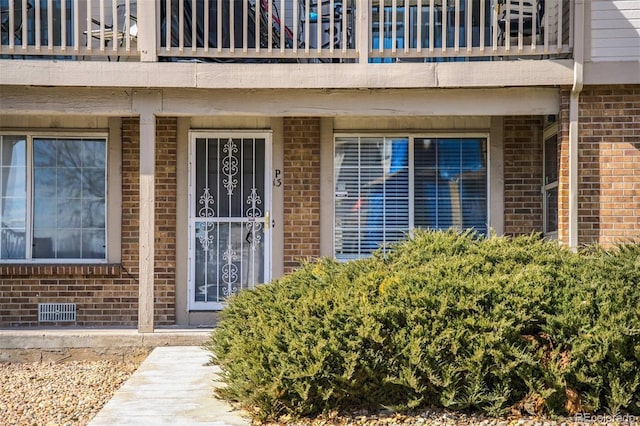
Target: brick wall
point(165, 221)
point(522, 174)
point(563, 173)
point(609, 164)
point(301, 182)
point(108, 294)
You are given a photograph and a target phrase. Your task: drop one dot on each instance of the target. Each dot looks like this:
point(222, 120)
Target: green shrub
point(443, 319)
point(598, 321)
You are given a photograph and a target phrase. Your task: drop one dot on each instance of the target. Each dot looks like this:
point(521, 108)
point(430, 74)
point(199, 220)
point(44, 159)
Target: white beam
point(278, 103)
point(363, 41)
point(574, 115)
point(147, 18)
point(496, 74)
point(277, 197)
point(147, 103)
point(20, 100)
point(96, 74)
point(334, 103)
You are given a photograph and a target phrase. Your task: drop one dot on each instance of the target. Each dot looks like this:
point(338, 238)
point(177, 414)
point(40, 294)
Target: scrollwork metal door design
point(229, 248)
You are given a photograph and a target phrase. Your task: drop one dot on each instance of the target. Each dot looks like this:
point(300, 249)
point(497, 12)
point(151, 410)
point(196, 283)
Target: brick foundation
point(301, 190)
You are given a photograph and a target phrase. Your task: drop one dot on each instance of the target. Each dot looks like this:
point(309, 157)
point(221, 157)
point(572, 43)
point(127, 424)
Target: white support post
point(146, 103)
point(574, 105)
point(363, 30)
point(574, 114)
point(147, 33)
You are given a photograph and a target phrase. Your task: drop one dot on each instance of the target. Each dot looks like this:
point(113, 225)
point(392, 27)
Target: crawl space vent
point(56, 312)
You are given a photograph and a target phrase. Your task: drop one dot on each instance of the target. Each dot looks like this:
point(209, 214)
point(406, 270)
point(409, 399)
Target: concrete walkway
point(173, 386)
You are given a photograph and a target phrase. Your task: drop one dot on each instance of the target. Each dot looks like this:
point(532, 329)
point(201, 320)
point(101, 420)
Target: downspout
point(574, 112)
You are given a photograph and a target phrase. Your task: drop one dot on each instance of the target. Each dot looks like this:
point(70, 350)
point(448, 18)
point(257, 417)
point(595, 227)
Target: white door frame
point(193, 305)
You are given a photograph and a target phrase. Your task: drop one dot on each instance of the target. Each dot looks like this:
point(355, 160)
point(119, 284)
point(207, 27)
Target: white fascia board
point(18, 100)
point(286, 76)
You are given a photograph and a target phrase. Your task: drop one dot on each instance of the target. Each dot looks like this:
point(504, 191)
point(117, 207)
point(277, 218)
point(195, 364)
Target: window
point(53, 200)
point(386, 186)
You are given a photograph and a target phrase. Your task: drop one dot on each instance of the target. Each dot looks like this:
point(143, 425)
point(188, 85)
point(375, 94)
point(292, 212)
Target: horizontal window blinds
point(380, 193)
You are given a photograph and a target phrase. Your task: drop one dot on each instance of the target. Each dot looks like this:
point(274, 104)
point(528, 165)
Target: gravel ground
point(68, 393)
point(72, 393)
point(448, 418)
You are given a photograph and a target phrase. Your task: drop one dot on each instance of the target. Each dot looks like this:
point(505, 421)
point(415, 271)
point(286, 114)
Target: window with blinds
point(385, 186)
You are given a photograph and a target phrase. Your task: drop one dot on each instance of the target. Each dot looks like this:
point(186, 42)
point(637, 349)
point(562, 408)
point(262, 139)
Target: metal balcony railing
point(260, 31)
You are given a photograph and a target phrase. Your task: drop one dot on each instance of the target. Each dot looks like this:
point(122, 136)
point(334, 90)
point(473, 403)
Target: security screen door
point(229, 220)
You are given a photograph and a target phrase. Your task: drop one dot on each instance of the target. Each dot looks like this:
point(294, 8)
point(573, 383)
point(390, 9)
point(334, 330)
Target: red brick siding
point(522, 174)
point(165, 221)
point(130, 204)
point(563, 175)
point(108, 294)
point(301, 190)
point(609, 164)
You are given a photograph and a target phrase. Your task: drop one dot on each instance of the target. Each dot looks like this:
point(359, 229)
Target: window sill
point(107, 269)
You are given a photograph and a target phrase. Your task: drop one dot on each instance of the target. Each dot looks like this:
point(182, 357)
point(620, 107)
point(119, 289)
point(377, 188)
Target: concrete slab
point(43, 338)
point(174, 385)
point(71, 343)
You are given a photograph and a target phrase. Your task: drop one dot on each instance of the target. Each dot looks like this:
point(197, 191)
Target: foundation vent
point(56, 312)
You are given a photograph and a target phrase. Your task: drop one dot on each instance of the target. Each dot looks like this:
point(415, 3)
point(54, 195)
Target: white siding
point(615, 30)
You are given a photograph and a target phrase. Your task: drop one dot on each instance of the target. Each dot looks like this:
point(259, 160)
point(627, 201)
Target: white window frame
point(549, 132)
point(411, 137)
point(29, 137)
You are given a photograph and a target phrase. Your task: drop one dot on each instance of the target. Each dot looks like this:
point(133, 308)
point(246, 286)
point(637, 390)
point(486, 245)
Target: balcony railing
point(286, 30)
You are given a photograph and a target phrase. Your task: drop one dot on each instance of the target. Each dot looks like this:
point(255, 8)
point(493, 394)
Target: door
point(229, 224)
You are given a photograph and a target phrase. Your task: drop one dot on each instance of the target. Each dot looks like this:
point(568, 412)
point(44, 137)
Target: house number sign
point(277, 180)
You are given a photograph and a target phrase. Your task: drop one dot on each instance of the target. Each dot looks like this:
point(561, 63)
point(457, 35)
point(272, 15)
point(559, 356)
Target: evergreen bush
point(442, 319)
